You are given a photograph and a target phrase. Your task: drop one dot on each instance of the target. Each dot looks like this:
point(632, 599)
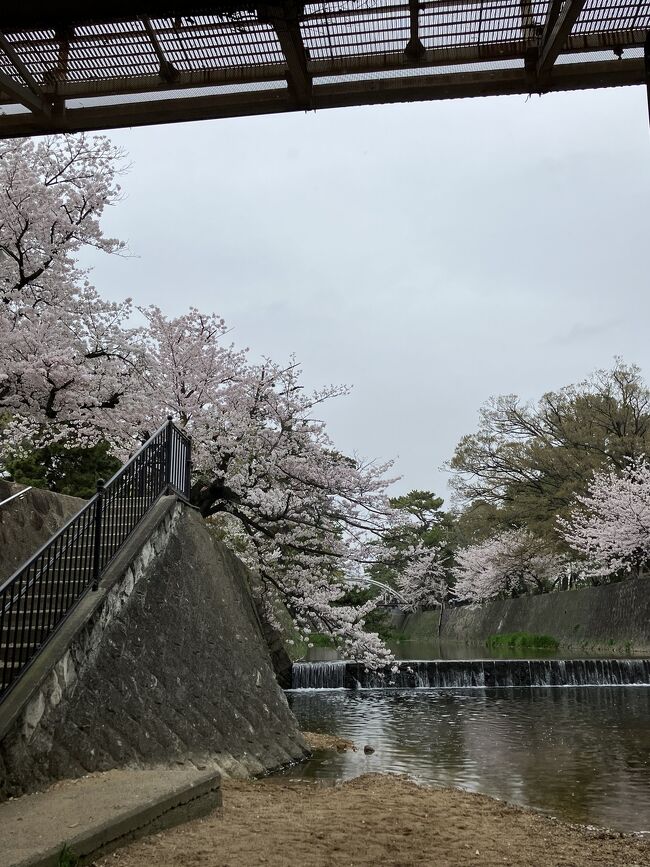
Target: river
point(578, 753)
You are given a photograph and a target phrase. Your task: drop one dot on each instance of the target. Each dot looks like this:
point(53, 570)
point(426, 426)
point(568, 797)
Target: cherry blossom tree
point(610, 525)
point(300, 513)
point(422, 581)
point(510, 563)
point(416, 551)
point(67, 354)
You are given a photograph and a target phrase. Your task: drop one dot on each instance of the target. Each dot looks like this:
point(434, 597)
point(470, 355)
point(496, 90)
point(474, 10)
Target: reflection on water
point(581, 754)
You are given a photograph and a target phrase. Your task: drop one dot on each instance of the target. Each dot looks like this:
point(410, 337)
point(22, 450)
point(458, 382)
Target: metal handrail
point(40, 594)
point(39, 553)
point(87, 505)
point(16, 496)
point(139, 452)
point(42, 550)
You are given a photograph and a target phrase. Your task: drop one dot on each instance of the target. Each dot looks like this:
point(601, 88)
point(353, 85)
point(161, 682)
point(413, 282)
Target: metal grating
point(330, 34)
point(217, 60)
point(454, 25)
point(607, 16)
point(208, 42)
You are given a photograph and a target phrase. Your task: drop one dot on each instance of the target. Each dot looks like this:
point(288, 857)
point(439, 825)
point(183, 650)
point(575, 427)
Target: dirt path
point(374, 820)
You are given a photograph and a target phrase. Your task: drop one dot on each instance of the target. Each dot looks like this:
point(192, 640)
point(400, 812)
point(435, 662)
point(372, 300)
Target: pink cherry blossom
point(610, 524)
point(508, 564)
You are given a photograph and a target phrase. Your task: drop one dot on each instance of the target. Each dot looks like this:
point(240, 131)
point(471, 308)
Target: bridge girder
point(71, 67)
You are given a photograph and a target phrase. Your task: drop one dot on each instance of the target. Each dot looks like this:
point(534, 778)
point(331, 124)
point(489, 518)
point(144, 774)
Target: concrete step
point(105, 810)
point(8, 664)
point(26, 630)
point(9, 647)
point(66, 590)
point(29, 635)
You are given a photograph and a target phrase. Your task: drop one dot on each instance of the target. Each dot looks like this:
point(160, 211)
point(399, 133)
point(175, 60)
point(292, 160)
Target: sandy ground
point(374, 820)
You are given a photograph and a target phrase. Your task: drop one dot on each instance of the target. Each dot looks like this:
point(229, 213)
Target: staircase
point(37, 598)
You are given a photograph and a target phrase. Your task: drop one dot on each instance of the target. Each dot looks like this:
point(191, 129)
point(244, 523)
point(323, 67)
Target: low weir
point(464, 673)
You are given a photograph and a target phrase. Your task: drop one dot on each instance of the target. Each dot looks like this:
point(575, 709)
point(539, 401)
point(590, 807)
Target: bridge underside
point(91, 66)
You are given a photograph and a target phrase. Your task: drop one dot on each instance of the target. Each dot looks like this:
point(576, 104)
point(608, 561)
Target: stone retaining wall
point(169, 666)
point(613, 617)
point(28, 523)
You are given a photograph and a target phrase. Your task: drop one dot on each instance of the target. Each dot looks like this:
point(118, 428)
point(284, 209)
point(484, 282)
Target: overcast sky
point(430, 254)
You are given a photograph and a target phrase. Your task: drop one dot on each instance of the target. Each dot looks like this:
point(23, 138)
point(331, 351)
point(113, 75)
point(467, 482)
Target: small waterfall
point(465, 673)
point(318, 675)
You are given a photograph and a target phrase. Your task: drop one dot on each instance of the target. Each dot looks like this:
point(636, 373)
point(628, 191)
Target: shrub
point(522, 639)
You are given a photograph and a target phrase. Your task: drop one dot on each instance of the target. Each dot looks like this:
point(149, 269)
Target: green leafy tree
point(527, 462)
point(424, 524)
point(66, 470)
point(476, 522)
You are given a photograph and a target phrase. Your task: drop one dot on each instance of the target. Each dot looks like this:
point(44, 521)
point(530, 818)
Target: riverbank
point(373, 820)
point(610, 620)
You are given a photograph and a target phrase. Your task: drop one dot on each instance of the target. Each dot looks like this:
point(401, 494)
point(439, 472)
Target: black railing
point(35, 599)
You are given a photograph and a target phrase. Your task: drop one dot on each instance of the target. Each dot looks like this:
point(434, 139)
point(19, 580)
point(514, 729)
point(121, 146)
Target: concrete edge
point(45, 661)
point(184, 802)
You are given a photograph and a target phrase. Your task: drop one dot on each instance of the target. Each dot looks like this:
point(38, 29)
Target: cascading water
point(318, 675)
point(458, 673)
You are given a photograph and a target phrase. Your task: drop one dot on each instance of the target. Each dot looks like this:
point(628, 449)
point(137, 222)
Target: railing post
point(99, 509)
point(188, 468)
point(168, 456)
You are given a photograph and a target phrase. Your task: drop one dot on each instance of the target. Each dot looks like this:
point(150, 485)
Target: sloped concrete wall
point(611, 615)
point(172, 667)
point(26, 524)
point(614, 616)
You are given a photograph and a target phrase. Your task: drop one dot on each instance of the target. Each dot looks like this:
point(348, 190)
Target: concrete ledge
point(97, 814)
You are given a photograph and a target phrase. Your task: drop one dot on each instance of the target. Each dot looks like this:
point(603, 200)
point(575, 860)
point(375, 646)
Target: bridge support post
point(646, 57)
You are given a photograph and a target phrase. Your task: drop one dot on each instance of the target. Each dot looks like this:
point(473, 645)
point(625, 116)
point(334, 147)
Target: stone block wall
point(172, 667)
point(27, 523)
point(614, 617)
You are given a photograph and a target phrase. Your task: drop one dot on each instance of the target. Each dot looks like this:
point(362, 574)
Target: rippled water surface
point(581, 754)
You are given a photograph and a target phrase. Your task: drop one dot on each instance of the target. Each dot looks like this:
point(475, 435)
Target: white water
point(482, 673)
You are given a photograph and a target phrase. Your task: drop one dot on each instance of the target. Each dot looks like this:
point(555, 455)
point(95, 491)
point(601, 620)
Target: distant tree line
point(549, 496)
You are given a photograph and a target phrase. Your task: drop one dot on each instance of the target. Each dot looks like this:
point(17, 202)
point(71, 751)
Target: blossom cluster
point(507, 564)
point(610, 525)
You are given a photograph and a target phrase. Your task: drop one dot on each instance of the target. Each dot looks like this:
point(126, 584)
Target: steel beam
point(552, 13)
point(275, 72)
point(566, 77)
point(286, 23)
point(167, 69)
point(18, 65)
point(29, 94)
point(414, 49)
point(18, 93)
point(559, 33)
